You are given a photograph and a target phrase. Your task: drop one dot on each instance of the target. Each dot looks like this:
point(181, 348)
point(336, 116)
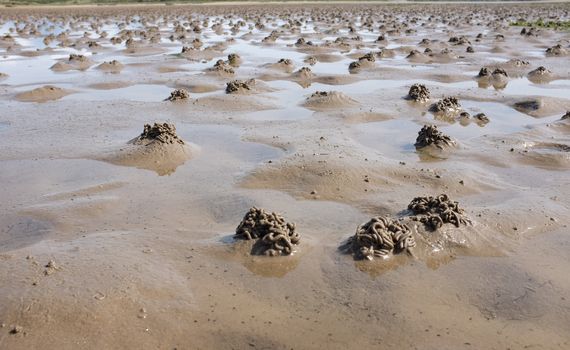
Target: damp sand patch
point(157, 148)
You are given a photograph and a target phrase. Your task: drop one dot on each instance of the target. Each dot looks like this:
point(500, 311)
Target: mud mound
point(234, 60)
point(434, 212)
point(484, 72)
point(305, 73)
point(446, 105)
point(541, 74)
point(196, 54)
point(159, 132)
point(380, 237)
point(366, 61)
point(429, 135)
point(556, 50)
point(499, 72)
point(516, 63)
point(284, 64)
point(446, 54)
point(240, 86)
point(274, 236)
point(328, 99)
point(43, 94)
point(311, 60)
point(481, 119)
point(113, 66)
point(498, 78)
point(419, 93)
point(222, 68)
point(416, 56)
point(462, 40)
point(178, 95)
point(157, 148)
point(74, 62)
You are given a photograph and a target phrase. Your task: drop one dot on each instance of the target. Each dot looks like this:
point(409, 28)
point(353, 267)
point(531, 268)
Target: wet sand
point(111, 243)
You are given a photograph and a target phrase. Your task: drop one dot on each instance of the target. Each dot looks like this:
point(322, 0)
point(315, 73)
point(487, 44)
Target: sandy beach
point(285, 176)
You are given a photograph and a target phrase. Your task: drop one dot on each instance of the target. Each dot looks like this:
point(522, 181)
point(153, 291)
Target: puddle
point(19, 232)
point(140, 92)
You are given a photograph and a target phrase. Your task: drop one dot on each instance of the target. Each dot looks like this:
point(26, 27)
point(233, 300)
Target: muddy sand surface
point(284, 177)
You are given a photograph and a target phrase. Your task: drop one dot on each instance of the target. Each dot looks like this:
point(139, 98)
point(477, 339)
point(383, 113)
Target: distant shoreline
point(88, 3)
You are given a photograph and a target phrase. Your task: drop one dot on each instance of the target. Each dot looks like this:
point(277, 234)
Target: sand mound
point(540, 75)
point(43, 94)
point(326, 58)
point(113, 66)
point(497, 78)
point(556, 50)
point(3, 76)
point(363, 62)
point(418, 57)
point(305, 73)
point(328, 99)
point(481, 119)
point(240, 86)
point(222, 68)
point(284, 64)
point(195, 54)
point(274, 236)
point(158, 148)
point(74, 62)
point(462, 40)
point(515, 63)
point(234, 60)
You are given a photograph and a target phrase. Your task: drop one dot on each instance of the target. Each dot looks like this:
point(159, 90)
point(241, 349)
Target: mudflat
point(285, 176)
